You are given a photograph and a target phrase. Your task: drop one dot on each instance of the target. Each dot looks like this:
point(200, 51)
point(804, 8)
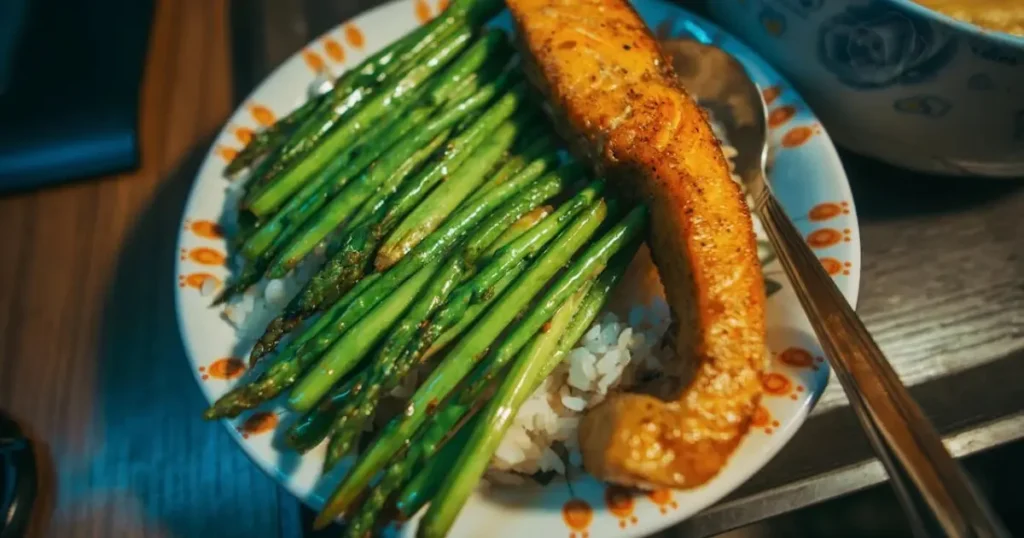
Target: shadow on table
point(158, 465)
point(884, 192)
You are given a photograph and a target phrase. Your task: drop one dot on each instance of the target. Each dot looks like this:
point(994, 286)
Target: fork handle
point(921, 470)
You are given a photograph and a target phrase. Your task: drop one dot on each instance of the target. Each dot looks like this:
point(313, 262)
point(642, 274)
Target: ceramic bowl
point(897, 81)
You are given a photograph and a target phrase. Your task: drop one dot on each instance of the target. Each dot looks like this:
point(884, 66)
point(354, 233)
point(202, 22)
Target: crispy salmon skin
point(616, 97)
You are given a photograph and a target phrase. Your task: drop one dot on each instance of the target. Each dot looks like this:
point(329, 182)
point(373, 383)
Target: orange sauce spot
point(663, 498)
point(354, 36)
point(761, 417)
point(227, 368)
point(195, 280)
point(262, 115)
point(768, 431)
point(227, 153)
point(619, 501)
point(313, 61)
point(771, 93)
point(207, 229)
point(775, 383)
point(799, 388)
point(257, 423)
point(781, 115)
point(206, 256)
point(577, 514)
point(775, 423)
point(423, 11)
point(797, 136)
point(442, 5)
point(244, 135)
point(832, 266)
point(334, 50)
point(825, 211)
point(795, 356)
point(825, 237)
point(202, 368)
point(792, 396)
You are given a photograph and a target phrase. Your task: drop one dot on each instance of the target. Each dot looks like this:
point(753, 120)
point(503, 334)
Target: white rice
point(612, 356)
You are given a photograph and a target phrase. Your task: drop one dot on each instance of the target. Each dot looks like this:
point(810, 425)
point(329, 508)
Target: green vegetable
point(354, 344)
point(470, 350)
point(286, 366)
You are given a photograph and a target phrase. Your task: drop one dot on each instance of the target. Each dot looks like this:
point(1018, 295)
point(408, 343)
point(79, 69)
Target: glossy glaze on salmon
point(617, 99)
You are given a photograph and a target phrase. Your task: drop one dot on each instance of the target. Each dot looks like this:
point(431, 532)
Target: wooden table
point(92, 363)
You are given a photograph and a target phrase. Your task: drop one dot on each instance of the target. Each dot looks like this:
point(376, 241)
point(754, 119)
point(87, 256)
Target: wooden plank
point(92, 363)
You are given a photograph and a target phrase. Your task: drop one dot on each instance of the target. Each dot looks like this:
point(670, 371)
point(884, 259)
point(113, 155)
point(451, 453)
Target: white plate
point(808, 178)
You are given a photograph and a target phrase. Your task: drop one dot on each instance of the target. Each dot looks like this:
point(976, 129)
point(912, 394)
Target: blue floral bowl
point(897, 81)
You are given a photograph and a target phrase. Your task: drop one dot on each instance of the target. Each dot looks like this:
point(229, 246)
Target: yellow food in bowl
point(1000, 15)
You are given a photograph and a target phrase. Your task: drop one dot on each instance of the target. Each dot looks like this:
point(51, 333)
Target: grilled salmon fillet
point(617, 100)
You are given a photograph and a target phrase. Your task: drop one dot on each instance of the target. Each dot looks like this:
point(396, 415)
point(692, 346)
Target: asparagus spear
point(272, 137)
point(349, 95)
point(465, 218)
point(354, 344)
point(399, 123)
point(481, 286)
point(439, 204)
point(330, 181)
point(286, 366)
point(362, 523)
point(325, 284)
point(412, 196)
point(396, 359)
point(370, 71)
point(334, 141)
point(468, 351)
point(385, 177)
point(516, 385)
point(343, 118)
point(273, 263)
point(424, 486)
point(341, 206)
point(315, 425)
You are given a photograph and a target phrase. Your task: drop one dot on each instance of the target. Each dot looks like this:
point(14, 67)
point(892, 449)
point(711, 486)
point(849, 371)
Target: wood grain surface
point(93, 367)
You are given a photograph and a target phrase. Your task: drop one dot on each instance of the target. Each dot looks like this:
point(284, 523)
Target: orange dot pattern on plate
point(334, 50)
point(776, 384)
point(771, 93)
point(781, 115)
point(206, 256)
point(423, 13)
point(578, 515)
point(195, 280)
point(262, 115)
point(313, 61)
point(797, 136)
point(621, 504)
point(257, 423)
point(206, 229)
point(832, 266)
point(244, 135)
point(226, 368)
point(761, 417)
point(227, 153)
point(828, 210)
point(354, 36)
point(824, 238)
point(798, 357)
point(663, 499)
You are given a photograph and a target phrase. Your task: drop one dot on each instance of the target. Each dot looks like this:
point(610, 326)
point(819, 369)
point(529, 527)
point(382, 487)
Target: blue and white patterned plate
point(807, 176)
